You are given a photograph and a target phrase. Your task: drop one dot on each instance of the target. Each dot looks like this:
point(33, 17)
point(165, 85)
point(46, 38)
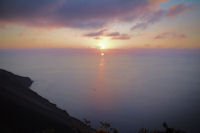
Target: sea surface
point(130, 89)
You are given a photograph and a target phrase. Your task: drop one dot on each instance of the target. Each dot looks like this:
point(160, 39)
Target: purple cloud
point(73, 13)
point(85, 13)
point(113, 34)
point(155, 16)
point(96, 34)
point(121, 37)
point(177, 9)
point(140, 26)
point(150, 18)
point(171, 35)
point(104, 33)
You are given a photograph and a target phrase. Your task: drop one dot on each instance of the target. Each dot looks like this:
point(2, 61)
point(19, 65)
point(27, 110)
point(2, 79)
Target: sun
point(102, 45)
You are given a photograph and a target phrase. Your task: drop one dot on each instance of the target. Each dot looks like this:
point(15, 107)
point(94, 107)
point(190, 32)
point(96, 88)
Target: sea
point(130, 89)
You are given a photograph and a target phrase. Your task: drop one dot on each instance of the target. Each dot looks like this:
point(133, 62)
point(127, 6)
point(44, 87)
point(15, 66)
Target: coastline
point(23, 110)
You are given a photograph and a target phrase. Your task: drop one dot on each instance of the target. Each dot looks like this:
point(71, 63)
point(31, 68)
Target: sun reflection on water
point(102, 98)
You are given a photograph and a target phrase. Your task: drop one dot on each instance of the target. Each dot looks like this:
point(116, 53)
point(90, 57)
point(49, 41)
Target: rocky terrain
point(24, 111)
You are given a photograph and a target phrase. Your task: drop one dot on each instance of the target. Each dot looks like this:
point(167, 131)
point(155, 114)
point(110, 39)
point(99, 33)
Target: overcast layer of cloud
point(86, 13)
point(73, 13)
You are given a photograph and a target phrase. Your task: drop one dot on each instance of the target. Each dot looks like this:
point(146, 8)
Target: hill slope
point(24, 111)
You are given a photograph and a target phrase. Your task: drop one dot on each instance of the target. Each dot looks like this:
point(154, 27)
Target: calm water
point(129, 89)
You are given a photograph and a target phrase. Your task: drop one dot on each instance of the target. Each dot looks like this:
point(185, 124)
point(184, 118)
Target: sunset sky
point(109, 24)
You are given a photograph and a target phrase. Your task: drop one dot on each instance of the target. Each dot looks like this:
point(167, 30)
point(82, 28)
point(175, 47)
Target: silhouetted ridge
point(8, 78)
point(24, 111)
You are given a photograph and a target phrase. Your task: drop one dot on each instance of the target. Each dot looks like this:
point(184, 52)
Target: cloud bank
point(73, 13)
point(86, 13)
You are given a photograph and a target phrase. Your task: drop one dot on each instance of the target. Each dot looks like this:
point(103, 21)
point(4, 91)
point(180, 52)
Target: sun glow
point(102, 45)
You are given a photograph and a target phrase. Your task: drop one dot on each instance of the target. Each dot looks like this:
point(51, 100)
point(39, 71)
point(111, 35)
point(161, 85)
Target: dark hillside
point(24, 111)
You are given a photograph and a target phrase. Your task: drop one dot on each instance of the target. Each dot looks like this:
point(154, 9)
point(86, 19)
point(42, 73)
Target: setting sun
point(102, 45)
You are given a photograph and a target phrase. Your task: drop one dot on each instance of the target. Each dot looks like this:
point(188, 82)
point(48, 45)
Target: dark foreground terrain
point(24, 111)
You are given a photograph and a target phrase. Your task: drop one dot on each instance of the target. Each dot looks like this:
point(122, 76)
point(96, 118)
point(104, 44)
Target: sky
point(99, 24)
